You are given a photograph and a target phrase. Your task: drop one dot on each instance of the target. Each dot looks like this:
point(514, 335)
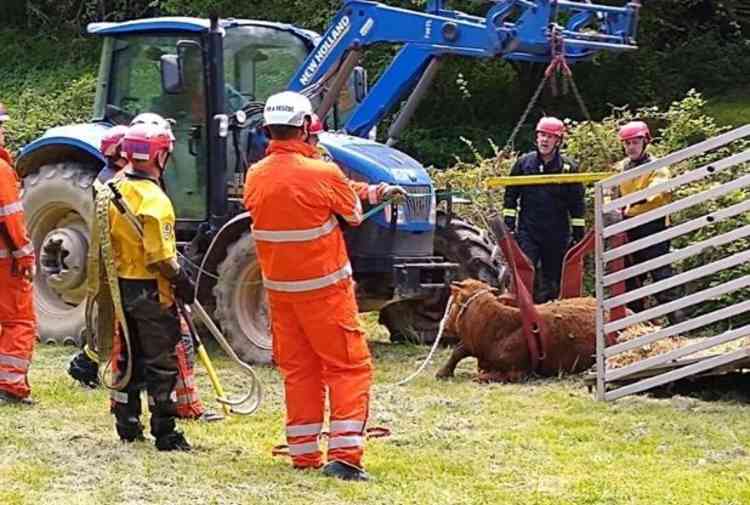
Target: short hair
point(284, 132)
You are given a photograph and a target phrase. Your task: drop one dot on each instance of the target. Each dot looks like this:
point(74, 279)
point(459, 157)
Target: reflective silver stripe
point(347, 426)
point(578, 221)
point(338, 442)
point(310, 284)
point(372, 194)
point(11, 208)
point(300, 430)
point(26, 250)
point(186, 399)
point(12, 377)
point(296, 235)
point(300, 449)
point(180, 384)
point(356, 217)
point(4, 253)
point(14, 361)
point(119, 396)
point(509, 212)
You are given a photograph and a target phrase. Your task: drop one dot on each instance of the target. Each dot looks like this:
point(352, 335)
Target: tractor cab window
point(135, 87)
point(258, 62)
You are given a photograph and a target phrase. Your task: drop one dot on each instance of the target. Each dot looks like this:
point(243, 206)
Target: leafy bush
point(40, 91)
point(596, 146)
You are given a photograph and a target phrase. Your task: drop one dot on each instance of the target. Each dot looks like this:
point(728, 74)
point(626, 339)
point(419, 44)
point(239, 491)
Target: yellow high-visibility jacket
point(644, 181)
point(136, 257)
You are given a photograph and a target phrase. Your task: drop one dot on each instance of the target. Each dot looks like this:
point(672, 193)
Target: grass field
point(456, 442)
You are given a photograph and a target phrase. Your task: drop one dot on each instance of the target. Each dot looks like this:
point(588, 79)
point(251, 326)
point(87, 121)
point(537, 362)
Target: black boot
point(345, 471)
point(84, 370)
point(129, 429)
point(173, 441)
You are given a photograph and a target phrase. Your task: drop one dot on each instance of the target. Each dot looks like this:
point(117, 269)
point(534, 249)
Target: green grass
point(455, 442)
point(730, 109)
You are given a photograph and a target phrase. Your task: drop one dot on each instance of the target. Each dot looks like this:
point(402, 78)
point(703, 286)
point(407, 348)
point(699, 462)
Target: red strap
point(571, 283)
point(534, 328)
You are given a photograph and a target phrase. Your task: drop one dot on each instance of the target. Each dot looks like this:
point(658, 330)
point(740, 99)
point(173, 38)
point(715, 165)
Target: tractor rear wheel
point(241, 304)
point(58, 206)
point(459, 242)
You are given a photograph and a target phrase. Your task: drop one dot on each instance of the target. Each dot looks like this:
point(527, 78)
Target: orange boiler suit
point(294, 200)
point(17, 318)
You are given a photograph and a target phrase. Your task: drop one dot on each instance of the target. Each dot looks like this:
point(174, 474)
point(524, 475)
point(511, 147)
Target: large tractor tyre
point(459, 242)
point(58, 205)
point(241, 304)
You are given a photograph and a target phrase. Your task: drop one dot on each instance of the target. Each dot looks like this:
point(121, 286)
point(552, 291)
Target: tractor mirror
point(171, 74)
point(359, 83)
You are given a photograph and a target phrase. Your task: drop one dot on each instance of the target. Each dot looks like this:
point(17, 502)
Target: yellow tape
point(529, 180)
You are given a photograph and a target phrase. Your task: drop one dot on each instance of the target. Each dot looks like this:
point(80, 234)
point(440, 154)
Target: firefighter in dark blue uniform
point(547, 212)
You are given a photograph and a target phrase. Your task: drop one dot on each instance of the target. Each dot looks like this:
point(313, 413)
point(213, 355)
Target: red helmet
point(551, 125)
point(634, 129)
point(316, 125)
point(146, 142)
point(112, 141)
point(3, 113)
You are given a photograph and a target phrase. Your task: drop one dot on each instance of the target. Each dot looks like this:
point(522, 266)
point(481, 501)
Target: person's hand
point(184, 287)
point(391, 192)
point(28, 272)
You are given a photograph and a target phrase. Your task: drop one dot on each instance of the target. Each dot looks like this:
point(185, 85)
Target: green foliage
point(596, 147)
point(45, 85)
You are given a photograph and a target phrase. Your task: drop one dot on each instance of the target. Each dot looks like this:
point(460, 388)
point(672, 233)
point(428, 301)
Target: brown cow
point(489, 329)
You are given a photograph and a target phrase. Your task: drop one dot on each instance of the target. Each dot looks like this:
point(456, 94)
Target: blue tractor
point(212, 76)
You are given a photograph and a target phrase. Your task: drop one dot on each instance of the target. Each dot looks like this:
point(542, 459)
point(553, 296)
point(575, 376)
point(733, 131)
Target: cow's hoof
point(443, 374)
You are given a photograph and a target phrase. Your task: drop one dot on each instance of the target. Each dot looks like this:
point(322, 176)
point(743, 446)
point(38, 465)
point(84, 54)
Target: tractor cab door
point(136, 86)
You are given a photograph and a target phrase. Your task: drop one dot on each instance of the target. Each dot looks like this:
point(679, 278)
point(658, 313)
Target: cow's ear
point(460, 284)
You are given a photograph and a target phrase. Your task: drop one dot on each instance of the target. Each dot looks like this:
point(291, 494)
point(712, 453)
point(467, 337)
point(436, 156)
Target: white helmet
point(151, 118)
point(287, 108)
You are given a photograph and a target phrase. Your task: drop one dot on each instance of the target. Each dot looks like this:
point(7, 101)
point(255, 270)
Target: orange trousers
point(318, 345)
point(17, 331)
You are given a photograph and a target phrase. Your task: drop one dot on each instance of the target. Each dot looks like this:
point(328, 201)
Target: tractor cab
point(164, 65)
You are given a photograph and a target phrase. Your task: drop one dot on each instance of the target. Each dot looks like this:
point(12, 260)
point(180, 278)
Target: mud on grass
point(453, 442)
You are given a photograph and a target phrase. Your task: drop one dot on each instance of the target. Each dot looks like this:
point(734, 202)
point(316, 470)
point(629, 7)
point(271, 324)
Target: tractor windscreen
point(135, 86)
point(258, 62)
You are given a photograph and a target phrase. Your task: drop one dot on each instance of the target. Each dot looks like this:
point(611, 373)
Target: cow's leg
point(459, 353)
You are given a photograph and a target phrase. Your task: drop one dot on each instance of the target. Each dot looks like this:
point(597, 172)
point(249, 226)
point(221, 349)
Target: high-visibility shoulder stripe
point(509, 212)
point(578, 221)
point(310, 284)
point(303, 235)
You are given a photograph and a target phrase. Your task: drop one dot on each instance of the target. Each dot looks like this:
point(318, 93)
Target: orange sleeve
point(343, 197)
point(11, 214)
point(365, 192)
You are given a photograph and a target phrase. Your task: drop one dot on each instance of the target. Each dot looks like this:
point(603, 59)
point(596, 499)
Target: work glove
point(510, 223)
point(184, 287)
point(578, 233)
point(391, 192)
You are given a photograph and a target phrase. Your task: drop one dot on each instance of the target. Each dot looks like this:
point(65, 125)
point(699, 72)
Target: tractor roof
point(186, 24)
